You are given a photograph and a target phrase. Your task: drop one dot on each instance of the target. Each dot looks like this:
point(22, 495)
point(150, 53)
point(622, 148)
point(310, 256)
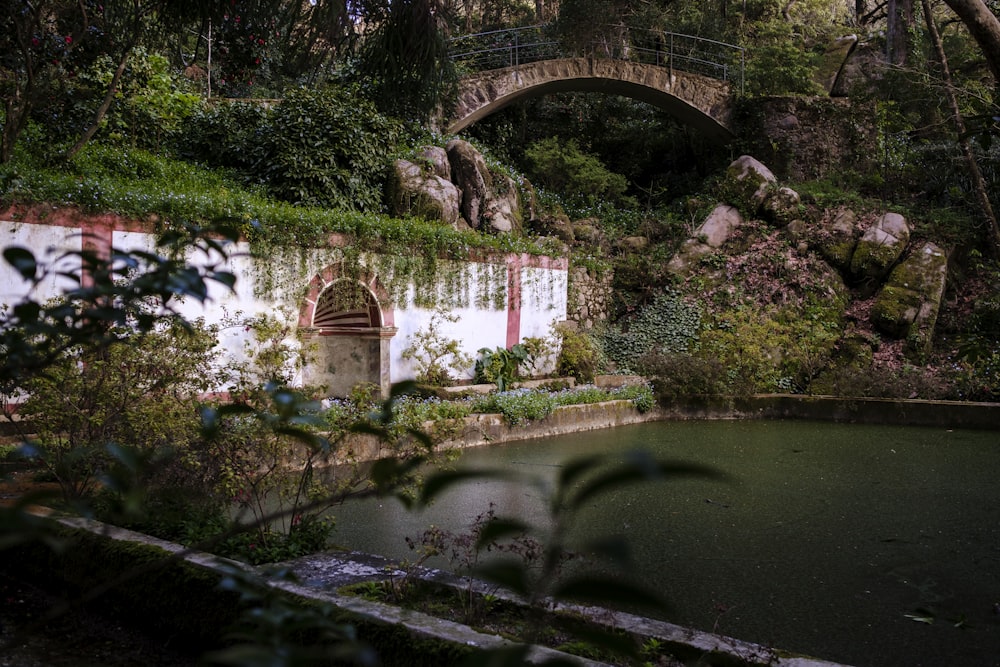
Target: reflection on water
point(867, 545)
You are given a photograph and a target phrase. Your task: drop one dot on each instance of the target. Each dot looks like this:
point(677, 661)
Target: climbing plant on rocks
point(668, 324)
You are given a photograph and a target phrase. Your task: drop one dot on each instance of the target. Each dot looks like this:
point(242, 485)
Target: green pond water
point(872, 546)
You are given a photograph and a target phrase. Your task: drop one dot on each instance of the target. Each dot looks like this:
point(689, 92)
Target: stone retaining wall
point(492, 429)
point(939, 414)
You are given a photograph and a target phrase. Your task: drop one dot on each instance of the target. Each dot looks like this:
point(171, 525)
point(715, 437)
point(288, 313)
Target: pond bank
point(164, 593)
point(492, 429)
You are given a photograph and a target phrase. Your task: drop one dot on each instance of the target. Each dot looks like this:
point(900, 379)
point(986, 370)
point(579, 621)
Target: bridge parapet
point(513, 47)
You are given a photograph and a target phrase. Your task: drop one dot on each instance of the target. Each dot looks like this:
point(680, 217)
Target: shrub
point(778, 65)
point(764, 354)
point(579, 355)
point(141, 392)
point(564, 168)
point(680, 376)
point(500, 366)
point(228, 134)
point(434, 356)
point(154, 103)
point(518, 406)
point(329, 148)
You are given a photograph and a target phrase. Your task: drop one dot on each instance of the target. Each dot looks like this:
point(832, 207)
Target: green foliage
point(231, 135)
point(153, 104)
point(137, 183)
point(434, 356)
point(977, 377)
point(518, 406)
point(764, 353)
point(500, 366)
point(538, 350)
point(682, 376)
point(325, 147)
point(667, 325)
point(404, 63)
point(564, 168)
point(141, 394)
point(329, 148)
point(777, 65)
point(580, 355)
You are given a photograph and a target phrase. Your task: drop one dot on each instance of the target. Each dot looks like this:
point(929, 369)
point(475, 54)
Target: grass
point(139, 184)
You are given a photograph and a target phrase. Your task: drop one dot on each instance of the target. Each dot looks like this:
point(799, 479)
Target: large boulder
point(587, 232)
point(781, 205)
point(837, 239)
point(752, 179)
point(436, 159)
point(908, 304)
point(832, 62)
point(472, 176)
point(557, 225)
point(688, 257)
point(415, 192)
point(503, 209)
point(489, 201)
point(880, 248)
point(717, 228)
point(719, 225)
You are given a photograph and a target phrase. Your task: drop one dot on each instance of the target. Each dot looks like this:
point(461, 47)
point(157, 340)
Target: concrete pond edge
point(320, 578)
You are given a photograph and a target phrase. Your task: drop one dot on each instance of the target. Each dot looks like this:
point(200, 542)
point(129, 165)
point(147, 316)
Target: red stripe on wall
point(514, 264)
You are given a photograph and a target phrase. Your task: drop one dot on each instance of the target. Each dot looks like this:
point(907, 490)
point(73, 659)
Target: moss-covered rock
point(832, 60)
point(747, 184)
point(837, 238)
point(880, 248)
point(908, 305)
point(711, 235)
point(414, 192)
point(781, 206)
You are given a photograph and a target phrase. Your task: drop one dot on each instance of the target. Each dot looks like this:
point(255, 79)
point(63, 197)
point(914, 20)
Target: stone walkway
point(327, 573)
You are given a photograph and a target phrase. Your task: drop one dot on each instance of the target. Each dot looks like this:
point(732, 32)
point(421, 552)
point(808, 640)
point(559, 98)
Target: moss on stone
point(895, 309)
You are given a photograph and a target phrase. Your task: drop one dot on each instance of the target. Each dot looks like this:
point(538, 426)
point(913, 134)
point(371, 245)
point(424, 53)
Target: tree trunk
point(984, 26)
point(975, 175)
point(899, 14)
point(102, 110)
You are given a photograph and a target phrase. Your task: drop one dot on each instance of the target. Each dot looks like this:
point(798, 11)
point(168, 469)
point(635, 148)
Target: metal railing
point(519, 46)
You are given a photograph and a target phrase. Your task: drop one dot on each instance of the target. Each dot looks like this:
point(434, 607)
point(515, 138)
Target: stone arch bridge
point(652, 72)
point(694, 99)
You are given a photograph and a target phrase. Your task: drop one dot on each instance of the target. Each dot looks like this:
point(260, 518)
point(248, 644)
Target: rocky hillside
point(796, 297)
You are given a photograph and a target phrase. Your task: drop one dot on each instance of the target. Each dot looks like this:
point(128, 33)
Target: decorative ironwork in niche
point(346, 306)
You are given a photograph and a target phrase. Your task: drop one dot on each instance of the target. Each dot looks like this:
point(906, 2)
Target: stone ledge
point(320, 580)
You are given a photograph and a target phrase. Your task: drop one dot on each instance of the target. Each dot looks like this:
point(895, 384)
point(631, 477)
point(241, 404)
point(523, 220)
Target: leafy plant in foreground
point(539, 579)
point(500, 366)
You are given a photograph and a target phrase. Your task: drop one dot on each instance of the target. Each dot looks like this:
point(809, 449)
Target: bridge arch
point(701, 102)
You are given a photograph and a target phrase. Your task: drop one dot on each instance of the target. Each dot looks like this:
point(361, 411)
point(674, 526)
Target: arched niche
point(346, 324)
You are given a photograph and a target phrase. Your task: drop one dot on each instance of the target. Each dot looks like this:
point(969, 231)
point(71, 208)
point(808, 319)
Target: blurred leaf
point(444, 480)
point(510, 574)
point(498, 528)
point(23, 261)
point(640, 468)
point(615, 548)
point(606, 591)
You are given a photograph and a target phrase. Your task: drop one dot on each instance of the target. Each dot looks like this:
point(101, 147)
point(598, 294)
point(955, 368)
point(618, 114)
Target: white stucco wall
point(47, 243)
point(477, 294)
